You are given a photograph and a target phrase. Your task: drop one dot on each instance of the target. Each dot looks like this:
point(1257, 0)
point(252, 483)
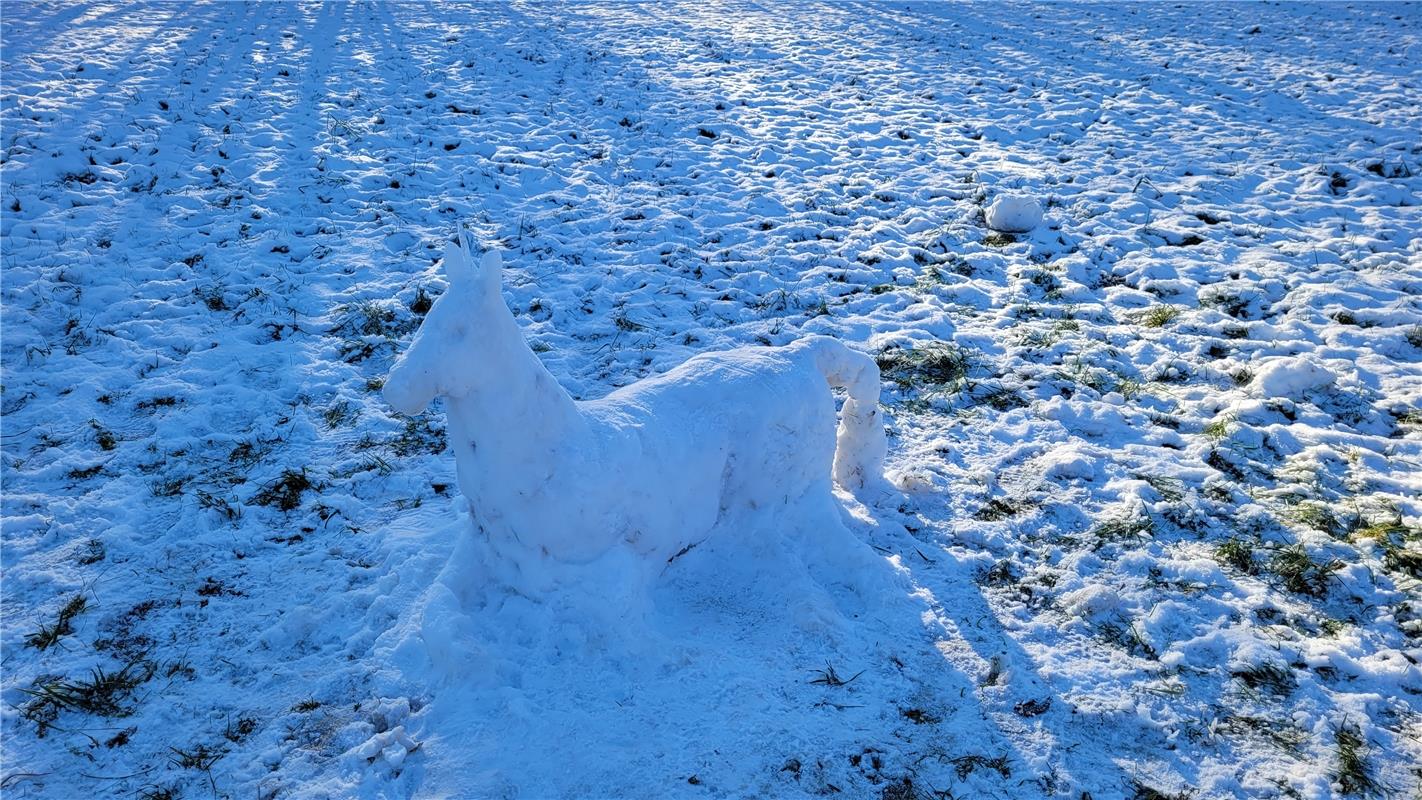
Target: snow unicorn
point(652, 467)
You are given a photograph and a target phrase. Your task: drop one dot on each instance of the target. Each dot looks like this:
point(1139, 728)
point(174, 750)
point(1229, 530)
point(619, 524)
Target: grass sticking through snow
point(285, 492)
point(1217, 428)
point(1273, 678)
point(966, 765)
point(49, 635)
point(1158, 316)
point(104, 693)
point(1144, 792)
point(1300, 573)
point(364, 328)
point(1353, 775)
point(828, 677)
point(1318, 517)
point(1239, 554)
point(997, 509)
point(1282, 735)
point(936, 364)
point(1414, 336)
point(1124, 528)
point(1398, 543)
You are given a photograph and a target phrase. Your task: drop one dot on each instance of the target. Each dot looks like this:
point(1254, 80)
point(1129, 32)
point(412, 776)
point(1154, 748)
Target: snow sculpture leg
point(860, 445)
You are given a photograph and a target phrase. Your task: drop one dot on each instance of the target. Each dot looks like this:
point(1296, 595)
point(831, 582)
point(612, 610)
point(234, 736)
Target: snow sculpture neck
point(520, 396)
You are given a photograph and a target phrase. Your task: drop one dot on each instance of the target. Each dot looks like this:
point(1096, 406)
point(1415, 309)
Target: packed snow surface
point(1160, 455)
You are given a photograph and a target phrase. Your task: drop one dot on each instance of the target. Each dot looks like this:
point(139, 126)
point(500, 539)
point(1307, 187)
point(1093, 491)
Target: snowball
point(1290, 377)
point(1014, 214)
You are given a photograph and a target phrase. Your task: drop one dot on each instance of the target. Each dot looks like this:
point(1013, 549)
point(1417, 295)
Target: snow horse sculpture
point(653, 466)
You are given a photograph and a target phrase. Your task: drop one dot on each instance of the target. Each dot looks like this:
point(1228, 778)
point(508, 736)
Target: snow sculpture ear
point(491, 271)
point(456, 264)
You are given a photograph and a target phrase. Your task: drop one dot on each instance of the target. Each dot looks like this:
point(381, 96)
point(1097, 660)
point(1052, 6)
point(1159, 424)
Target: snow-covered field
point(1161, 530)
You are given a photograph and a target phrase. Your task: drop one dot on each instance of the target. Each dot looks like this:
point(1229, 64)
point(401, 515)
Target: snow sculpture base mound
point(532, 660)
point(798, 567)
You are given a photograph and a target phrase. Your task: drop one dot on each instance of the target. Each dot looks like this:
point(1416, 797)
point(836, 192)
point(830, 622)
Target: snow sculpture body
point(651, 467)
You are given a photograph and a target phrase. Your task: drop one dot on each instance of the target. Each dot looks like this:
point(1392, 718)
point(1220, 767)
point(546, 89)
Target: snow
point(1014, 214)
point(1290, 378)
point(1171, 432)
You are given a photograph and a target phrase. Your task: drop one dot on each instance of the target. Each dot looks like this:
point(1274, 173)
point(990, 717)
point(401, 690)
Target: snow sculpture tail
point(860, 445)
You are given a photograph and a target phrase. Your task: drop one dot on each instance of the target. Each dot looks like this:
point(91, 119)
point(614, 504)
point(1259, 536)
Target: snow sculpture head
point(423, 372)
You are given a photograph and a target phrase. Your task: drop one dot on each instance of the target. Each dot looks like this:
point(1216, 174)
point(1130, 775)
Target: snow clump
point(1014, 213)
point(1290, 377)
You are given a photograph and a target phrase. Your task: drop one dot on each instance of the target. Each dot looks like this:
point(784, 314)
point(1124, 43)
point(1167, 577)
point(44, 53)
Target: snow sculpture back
point(652, 467)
